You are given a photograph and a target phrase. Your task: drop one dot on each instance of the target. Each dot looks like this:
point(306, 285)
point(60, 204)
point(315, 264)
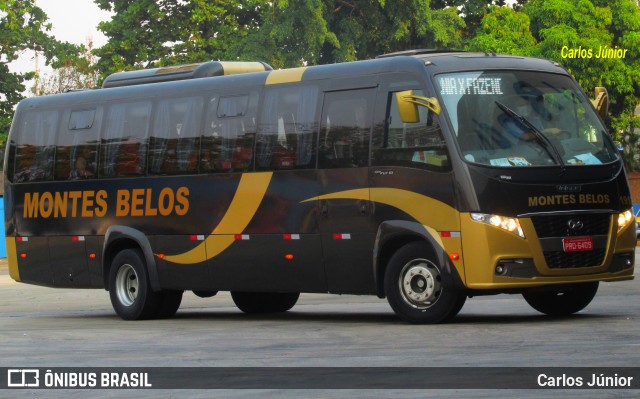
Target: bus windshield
point(523, 119)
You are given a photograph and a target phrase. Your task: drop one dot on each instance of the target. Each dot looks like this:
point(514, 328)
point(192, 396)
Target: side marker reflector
point(341, 236)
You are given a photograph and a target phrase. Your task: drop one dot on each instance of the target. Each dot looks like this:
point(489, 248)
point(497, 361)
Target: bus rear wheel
point(264, 302)
point(129, 287)
point(414, 289)
point(169, 303)
point(562, 302)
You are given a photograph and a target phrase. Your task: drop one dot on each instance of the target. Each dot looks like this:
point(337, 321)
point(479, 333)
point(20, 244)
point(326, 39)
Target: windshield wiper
point(542, 139)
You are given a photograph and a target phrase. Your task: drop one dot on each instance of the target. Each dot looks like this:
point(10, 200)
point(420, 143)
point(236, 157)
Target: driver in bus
point(523, 106)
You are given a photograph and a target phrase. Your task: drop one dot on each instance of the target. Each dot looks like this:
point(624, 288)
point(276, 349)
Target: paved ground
point(45, 327)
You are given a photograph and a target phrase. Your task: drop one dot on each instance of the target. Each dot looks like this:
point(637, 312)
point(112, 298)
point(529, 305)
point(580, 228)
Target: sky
point(73, 21)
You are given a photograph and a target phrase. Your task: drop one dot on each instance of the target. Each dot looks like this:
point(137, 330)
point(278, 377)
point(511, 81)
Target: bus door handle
point(364, 209)
point(324, 209)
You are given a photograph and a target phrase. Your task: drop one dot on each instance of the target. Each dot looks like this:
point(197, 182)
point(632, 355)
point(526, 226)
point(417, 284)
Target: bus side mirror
point(408, 105)
point(601, 102)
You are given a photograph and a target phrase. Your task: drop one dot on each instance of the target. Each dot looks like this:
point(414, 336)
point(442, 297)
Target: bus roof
point(412, 61)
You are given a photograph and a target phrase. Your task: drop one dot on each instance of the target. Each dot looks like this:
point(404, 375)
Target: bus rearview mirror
point(601, 101)
point(408, 104)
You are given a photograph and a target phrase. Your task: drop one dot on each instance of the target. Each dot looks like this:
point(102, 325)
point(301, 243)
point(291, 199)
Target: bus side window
point(124, 139)
point(345, 129)
point(287, 131)
point(417, 145)
point(229, 131)
point(77, 144)
point(34, 148)
point(175, 139)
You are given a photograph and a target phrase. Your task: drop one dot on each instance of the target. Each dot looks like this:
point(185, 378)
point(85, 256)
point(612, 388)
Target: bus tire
point(169, 303)
point(568, 300)
point(413, 287)
point(130, 289)
point(264, 302)
point(205, 294)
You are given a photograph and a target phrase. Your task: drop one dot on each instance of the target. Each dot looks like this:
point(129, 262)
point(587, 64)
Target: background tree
point(504, 31)
point(24, 26)
point(472, 11)
point(151, 33)
point(283, 33)
point(365, 29)
point(76, 73)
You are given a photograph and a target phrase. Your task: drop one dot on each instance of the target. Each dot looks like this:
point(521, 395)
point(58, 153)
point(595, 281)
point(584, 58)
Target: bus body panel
point(327, 226)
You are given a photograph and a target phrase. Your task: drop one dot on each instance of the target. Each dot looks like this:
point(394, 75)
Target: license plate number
point(576, 244)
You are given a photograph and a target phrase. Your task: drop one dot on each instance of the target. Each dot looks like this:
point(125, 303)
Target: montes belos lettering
point(96, 203)
point(568, 199)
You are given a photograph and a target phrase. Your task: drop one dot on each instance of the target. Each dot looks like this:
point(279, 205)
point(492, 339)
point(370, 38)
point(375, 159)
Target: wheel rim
point(419, 283)
point(127, 285)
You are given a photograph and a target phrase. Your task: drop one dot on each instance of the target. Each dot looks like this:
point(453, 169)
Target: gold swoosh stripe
point(248, 197)
point(425, 210)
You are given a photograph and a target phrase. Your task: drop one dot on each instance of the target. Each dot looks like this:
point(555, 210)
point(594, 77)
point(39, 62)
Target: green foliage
point(286, 34)
point(150, 33)
point(366, 29)
point(283, 33)
point(504, 31)
point(23, 25)
point(473, 11)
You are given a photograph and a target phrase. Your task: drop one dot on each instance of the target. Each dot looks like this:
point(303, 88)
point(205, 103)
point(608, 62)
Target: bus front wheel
point(414, 289)
point(129, 287)
point(264, 302)
point(562, 302)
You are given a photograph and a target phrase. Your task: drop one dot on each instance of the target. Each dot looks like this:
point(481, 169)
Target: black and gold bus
point(423, 177)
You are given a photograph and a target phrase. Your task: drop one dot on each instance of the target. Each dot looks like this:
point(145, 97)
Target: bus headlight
point(624, 219)
point(505, 223)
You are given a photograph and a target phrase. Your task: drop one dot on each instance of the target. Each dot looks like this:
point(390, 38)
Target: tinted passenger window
point(77, 144)
point(345, 130)
point(124, 139)
point(35, 148)
point(417, 145)
point(175, 141)
point(287, 131)
point(230, 129)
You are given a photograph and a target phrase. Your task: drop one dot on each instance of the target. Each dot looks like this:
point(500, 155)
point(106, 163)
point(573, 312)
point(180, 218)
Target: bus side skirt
point(118, 238)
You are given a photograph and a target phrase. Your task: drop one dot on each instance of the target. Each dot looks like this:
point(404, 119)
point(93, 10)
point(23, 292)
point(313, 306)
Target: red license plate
point(576, 244)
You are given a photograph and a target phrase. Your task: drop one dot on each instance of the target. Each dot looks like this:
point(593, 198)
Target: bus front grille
point(591, 224)
point(571, 260)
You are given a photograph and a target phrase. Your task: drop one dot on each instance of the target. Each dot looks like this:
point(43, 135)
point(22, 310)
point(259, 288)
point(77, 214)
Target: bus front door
point(346, 213)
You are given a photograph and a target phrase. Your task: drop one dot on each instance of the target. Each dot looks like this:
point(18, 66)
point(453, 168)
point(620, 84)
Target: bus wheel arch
point(119, 238)
point(393, 235)
point(390, 247)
